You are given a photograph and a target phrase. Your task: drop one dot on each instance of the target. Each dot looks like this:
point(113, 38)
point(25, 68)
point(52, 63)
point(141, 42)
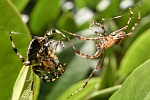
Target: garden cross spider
point(106, 41)
point(41, 56)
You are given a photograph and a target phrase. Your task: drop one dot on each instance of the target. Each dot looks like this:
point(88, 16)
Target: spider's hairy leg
point(134, 26)
point(36, 70)
point(99, 24)
point(96, 55)
point(90, 76)
point(127, 24)
point(81, 37)
point(56, 45)
point(129, 20)
point(17, 52)
point(137, 22)
point(61, 69)
point(59, 73)
point(54, 31)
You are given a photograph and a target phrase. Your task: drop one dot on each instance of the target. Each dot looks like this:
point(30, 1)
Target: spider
point(106, 41)
point(41, 56)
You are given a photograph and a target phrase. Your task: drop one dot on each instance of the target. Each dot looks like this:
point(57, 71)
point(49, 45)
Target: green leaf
point(88, 3)
point(103, 94)
point(81, 94)
point(44, 13)
point(66, 22)
point(109, 69)
point(10, 63)
point(136, 55)
point(108, 12)
point(136, 86)
point(20, 4)
point(36, 86)
point(20, 83)
point(11, 18)
point(23, 85)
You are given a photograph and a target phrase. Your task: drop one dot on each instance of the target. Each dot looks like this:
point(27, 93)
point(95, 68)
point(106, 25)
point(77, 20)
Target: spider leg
point(137, 22)
point(26, 63)
point(32, 84)
point(61, 68)
point(133, 27)
point(59, 72)
point(54, 31)
point(96, 55)
point(90, 76)
point(96, 32)
point(81, 37)
point(50, 50)
point(56, 45)
point(127, 24)
point(36, 70)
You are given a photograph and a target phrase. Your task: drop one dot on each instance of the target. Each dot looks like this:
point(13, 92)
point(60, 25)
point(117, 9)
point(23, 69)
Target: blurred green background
point(30, 18)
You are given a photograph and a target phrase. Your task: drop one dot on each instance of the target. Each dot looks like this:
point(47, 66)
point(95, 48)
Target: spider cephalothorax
point(104, 41)
point(41, 56)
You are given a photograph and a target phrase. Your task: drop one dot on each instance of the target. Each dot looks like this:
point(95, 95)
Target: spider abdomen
point(33, 49)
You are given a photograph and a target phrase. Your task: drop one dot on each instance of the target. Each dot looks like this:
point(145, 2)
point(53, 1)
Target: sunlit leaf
point(136, 55)
point(20, 83)
point(10, 65)
point(20, 4)
point(136, 86)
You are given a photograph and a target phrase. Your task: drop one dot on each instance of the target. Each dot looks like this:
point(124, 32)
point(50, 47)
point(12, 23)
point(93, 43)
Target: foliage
point(124, 69)
point(136, 86)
